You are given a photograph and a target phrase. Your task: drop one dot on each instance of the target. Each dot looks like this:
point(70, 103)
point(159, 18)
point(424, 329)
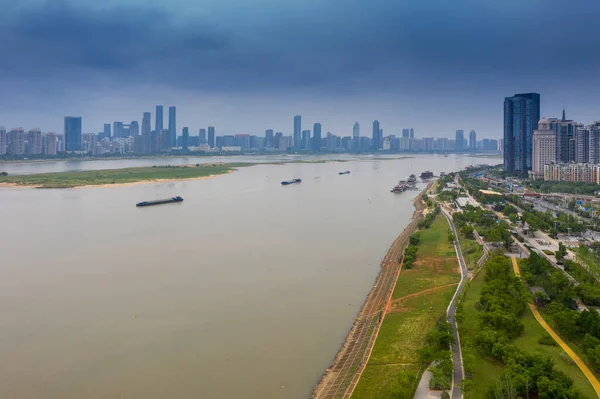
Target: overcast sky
point(248, 65)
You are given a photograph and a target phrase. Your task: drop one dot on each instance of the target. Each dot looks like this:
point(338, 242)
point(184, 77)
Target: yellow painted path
point(582, 366)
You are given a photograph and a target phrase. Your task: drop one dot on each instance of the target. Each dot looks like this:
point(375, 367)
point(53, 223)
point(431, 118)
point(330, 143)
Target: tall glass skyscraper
point(211, 136)
point(377, 140)
point(72, 133)
point(297, 132)
point(172, 127)
point(158, 125)
point(459, 142)
point(316, 137)
point(146, 128)
point(521, 116)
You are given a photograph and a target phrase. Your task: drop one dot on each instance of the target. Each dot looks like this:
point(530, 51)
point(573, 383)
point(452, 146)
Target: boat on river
point(160, 201)
point(293, 181)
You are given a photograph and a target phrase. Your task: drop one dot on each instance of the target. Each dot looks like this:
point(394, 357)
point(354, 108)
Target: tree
point(467, 230)
point(415, 238)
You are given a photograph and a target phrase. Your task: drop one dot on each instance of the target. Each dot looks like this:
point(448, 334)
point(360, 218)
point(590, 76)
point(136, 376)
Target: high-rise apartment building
point(377, 141)
point(582, 144)
point(356, 137)
point(594, 143)
point(72, 133)
point(521, 115)
point(172, 127)
point(211, 136)
point(34, 142)
point(51, 143)
point(16, 141)
point(2, 140)
point(316, 144)
point(298, 132)
point(459, 140)
point(158, 123)
point(544, 148)
point(472, 140)
point(185, 135)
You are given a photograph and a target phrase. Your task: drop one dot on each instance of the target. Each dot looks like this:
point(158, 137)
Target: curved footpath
point(341, 377)
point(458, 373)
point(582, 366)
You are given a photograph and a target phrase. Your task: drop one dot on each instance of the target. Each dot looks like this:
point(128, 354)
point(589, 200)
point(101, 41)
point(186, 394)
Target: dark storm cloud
point(276, 46)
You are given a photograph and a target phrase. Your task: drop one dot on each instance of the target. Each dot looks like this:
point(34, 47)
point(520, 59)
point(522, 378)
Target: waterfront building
point(16, 141)
point(118, 129)
point(202, 136)
point(185, 136)
point(172, 126)
point(306, 139)
point(72, 133)
point(376, 142)
point(211, 136)
point(269, 138)
point(316, 137)
point(2, 140)
point(459, 140)
point(544, 148)
point(34, 142)
point(472, 140)
point(406, 133)
point(242, 141)
point(356, 136)
point(134, 128)
point(331, 142)
point(51, 141)
point(106, 130)
point(298, 132)
point(412, 133)
point(158, 122)
point(521, 115)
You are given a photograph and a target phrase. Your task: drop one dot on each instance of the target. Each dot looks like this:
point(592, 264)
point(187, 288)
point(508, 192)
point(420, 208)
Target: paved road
point(458, 372)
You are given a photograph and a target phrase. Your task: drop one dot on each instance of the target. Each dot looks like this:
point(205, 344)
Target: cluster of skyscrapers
point(549, 148)
point(122, 138)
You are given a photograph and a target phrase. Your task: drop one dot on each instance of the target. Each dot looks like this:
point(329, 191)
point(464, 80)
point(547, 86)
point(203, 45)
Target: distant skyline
point(243, 68)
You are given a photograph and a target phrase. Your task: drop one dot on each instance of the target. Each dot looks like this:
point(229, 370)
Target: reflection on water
point(246, 289)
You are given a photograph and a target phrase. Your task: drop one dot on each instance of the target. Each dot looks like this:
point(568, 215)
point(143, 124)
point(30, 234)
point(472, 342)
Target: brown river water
point(246, 289)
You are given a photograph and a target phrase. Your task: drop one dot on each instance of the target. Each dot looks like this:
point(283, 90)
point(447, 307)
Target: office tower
point(306, 139)
point(146, 127)
point(543, 148)
point(72, 133)
point(107, 130)
point(211, 136)
point(316, 144)
point(51, 143)
point(202, 136)
point(521, 116)
point(34, 142)
point(154, 139)
point(472, 140)
point(172, 127)
point(331, 142)
point(185, 139)
point(412, 133)
point(459, 140)
point(269, 139)
point(158, 124)
point(582, 144)
point(406, 133)
point(356, 136)
point(297, 132)
point(118, 130)
point(594, 143)
point(2, 140)
point(376, 142)
point(565, 131)
point(134, 128)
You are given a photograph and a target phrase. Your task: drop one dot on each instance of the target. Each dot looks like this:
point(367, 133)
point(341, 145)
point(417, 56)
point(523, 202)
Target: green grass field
point(394, 360)
point(119, 176)
point(471, 251)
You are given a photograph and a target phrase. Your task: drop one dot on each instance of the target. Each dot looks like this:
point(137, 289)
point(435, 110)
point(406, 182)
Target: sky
point(245, 66)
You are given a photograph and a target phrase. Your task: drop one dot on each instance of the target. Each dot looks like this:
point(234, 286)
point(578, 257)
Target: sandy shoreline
point(114, 185)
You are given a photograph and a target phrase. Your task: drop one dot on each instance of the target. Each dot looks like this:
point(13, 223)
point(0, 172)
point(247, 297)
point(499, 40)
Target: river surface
point(246, 289)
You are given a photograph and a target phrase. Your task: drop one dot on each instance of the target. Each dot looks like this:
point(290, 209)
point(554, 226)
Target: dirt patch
point(395, 306)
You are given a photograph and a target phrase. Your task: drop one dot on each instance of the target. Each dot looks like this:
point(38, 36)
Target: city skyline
point(231, 66)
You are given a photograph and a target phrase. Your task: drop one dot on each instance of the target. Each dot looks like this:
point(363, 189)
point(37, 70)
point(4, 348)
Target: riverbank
point(351, 359)
point(120, 177)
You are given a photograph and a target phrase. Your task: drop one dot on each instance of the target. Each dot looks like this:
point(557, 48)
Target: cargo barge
point(346, 172)
point(159, 202)
point(286, 182)
point(426, 175)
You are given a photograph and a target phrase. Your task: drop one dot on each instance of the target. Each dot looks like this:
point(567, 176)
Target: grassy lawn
point(589, 258)
point(394, 360)
point(529, 343)
point(436, 263)
point(471, 251)
point(483, 371)
point(118, 176)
